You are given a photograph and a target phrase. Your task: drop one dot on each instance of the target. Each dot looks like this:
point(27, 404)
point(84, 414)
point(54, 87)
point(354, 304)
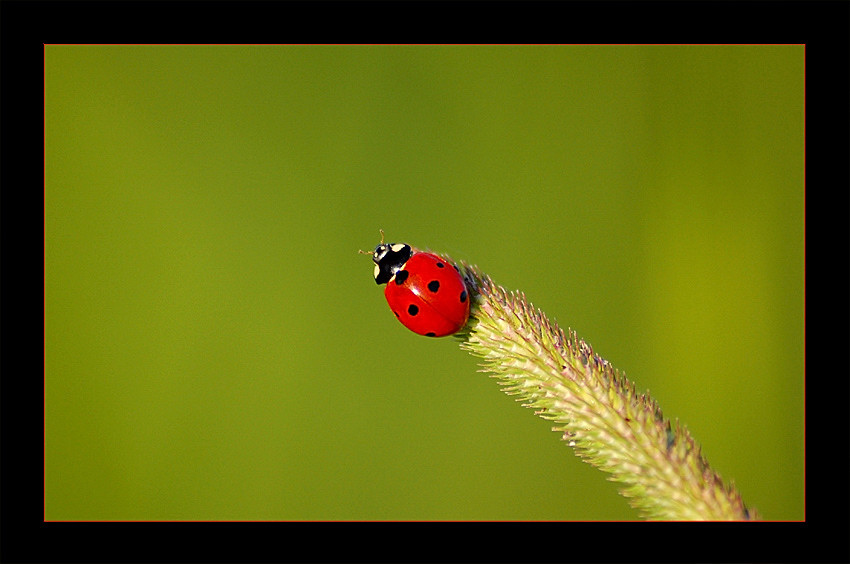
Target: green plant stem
point(661, 469)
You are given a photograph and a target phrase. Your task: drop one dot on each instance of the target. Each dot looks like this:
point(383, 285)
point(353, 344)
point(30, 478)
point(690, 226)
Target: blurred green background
point(217, 349)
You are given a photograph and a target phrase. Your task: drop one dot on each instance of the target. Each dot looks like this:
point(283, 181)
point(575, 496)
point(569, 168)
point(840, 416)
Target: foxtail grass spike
point(597, 411)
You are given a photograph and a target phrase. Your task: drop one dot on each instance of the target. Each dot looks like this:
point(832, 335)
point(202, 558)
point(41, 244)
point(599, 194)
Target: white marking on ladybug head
point(379, 253)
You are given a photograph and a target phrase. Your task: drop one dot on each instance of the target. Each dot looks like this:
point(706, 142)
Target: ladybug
point(427, 294)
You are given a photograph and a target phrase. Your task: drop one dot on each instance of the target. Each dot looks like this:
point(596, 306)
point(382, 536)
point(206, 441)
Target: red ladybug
point(427, 294)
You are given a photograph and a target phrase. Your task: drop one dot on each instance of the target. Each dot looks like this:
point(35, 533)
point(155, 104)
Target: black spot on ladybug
point(463, 296)
point(396, 314)
point(401, 276)
point(412, 309)
point(430, 335)
point(440, 265)
point(434, 285)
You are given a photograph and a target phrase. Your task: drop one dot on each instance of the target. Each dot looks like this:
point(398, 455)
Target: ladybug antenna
point(381, 231)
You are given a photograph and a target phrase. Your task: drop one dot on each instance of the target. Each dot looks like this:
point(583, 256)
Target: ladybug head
point(388, 259)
